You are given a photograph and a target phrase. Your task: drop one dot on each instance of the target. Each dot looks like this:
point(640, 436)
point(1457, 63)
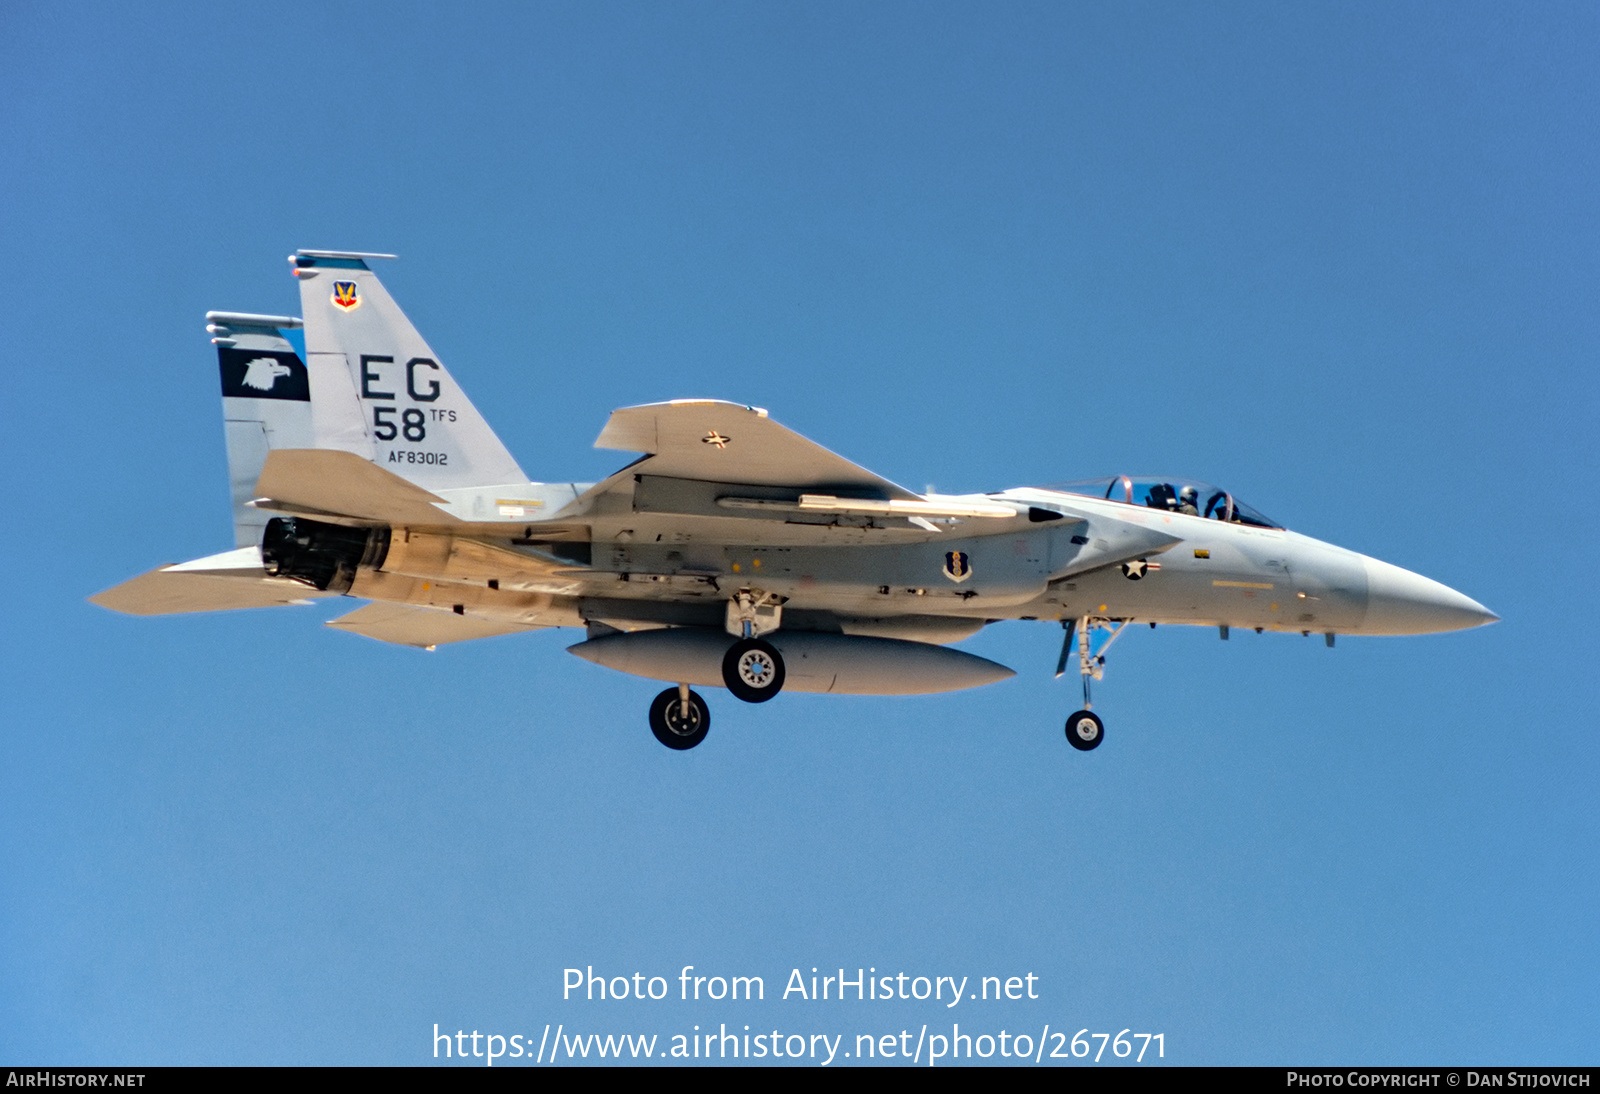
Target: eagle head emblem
point(263, 372)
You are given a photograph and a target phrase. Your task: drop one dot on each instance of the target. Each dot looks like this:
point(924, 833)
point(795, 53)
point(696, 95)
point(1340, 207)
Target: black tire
point(1085, 731)
point(669, 726)
point(753, 670)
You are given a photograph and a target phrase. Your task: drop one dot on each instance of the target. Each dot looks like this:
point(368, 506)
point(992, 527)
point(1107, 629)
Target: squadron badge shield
point(957, 566)
point(345, 297)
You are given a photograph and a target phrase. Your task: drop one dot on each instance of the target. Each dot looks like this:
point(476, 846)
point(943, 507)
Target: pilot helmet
point(1189, 494)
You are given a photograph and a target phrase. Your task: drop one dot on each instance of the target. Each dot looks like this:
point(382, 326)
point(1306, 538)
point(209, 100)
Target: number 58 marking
point(412, 425)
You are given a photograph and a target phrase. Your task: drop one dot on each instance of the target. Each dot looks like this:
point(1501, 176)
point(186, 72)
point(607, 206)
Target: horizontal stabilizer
point(233, 579)
point(328, 482)
point(421, 627)
point(725, 442)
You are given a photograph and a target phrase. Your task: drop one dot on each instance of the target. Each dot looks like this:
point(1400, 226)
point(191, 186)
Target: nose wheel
point(1085, 731)
point(679, 718)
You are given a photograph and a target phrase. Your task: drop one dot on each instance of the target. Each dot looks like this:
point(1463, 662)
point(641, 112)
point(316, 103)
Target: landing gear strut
point(752, 668)
point(1085, 730)
point(679, 718)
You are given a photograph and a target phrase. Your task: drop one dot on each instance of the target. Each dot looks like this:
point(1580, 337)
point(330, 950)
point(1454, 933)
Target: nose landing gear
point(1084, 729)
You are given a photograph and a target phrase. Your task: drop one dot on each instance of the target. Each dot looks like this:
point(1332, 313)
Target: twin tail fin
point(378, 390)
point(352, 375)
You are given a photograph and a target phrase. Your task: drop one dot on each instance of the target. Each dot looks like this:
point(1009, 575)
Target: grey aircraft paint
point(730, 545)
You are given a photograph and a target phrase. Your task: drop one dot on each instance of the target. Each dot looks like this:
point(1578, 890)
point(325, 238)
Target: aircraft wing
point(722, 442)
point(422, 627)
point(233, 579)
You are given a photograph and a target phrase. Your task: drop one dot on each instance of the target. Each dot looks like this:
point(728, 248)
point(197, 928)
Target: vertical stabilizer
point(379, 391)
point(266, 403)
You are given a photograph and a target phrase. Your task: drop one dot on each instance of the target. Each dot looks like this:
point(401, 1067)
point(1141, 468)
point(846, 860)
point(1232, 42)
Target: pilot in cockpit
point(1188, 501)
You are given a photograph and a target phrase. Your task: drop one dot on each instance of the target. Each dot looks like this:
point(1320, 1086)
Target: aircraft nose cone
point(1401, 602)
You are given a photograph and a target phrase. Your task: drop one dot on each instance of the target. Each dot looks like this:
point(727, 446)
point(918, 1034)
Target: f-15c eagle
point(732, 552)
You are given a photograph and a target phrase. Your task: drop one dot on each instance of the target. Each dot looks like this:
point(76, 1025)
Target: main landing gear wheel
point(675, 727)
point(1085, 731)
point(753, 670)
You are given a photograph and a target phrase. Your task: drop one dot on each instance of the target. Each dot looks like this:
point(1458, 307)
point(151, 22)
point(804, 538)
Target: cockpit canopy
point(1171, 495)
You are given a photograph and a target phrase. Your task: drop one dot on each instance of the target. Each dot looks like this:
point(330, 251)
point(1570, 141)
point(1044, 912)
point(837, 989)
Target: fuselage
point(674, 560)
point(1241, 575)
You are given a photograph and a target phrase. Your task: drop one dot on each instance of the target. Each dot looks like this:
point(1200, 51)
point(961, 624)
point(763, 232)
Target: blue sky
point(1340, 258)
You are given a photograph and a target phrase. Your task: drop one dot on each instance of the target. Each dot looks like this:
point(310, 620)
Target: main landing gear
point(1085, 730)
point(679, 718)
point(752, 670)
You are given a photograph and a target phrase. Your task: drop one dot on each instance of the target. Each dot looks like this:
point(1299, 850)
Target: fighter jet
point(732, 552)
